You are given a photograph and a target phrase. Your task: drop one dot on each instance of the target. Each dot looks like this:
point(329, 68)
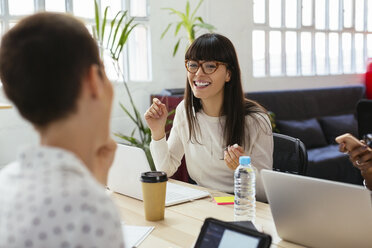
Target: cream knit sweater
point(204, 161)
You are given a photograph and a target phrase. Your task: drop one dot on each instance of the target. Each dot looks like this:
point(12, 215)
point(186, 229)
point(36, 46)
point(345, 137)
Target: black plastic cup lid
point(154, 177)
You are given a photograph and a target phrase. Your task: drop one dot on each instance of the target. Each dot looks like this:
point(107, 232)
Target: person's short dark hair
point(42, 62)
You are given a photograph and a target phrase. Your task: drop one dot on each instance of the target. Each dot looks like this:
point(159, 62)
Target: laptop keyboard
point(178, 193)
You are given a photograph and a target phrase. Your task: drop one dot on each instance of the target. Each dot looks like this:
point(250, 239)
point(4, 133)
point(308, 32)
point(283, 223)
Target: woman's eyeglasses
point(208, 67)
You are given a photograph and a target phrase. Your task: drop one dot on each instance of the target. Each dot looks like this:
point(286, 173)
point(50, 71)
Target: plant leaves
point(138, 116)
point(169, 121)
point(205, 26)
point(112, 27)
point(116, 30)
point(192, 35)
point(200, 19)
point(115, 43)
point(187, 8)
point(176, 47)
point(131, 140)
point(132, 134)
point(137, 119)
point(139, 122)
point(104, 23)
point(95, 36)
point(126, 31)
point(171, 10)
point(188, 22)
point(96, 13)
point(127, 112)
point(179, 13)
point(178, 28)
point(149, 158)
point(124, 36)
point(165, 30)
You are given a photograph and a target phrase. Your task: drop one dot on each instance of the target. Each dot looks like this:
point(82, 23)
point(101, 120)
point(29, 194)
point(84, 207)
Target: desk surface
point(182, 222)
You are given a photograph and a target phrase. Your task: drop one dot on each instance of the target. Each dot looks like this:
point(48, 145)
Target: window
point(136, 54)
point(311, 37)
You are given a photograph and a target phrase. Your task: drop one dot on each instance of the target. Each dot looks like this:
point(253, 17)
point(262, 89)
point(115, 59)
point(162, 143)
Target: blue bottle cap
point(244, 160)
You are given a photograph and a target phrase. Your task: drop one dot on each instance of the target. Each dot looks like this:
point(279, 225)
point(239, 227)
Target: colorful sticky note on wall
point(224, 200)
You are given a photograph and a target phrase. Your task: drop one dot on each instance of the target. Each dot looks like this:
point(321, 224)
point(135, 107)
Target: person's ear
point(228, 76)
point(94, 81)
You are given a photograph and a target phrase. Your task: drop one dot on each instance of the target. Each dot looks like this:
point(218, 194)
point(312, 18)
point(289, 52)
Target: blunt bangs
point(209, 47)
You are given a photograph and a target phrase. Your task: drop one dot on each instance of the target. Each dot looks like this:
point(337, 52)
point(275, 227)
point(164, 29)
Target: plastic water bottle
point(245, 190)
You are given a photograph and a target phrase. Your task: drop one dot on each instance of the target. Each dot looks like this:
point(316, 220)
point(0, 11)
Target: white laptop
point(319, 213)
point(125, 172)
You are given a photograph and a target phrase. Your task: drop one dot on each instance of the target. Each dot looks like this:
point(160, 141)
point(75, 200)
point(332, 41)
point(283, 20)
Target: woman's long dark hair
point(216, 47)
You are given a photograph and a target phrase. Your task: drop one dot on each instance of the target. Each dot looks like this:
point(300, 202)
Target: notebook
point(319, 213)
point(124, 177)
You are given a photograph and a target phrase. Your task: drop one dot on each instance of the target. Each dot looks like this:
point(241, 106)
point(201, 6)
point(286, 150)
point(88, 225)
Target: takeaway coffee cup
point(154, 185)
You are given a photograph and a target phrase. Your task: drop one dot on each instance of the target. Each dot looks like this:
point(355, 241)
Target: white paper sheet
point(134, 235)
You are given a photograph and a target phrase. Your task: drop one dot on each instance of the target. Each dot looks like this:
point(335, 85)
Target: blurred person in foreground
point(53, 194)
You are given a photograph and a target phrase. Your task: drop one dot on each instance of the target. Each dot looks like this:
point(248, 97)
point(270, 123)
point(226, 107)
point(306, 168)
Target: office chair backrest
point(364, 115)
point(290, 154)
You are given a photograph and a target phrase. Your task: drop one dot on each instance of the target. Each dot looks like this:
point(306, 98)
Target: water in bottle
point(245, 190)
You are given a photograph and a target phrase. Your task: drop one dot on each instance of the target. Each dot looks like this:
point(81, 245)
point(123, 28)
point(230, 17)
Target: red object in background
point(368, 81)
point(171, 102)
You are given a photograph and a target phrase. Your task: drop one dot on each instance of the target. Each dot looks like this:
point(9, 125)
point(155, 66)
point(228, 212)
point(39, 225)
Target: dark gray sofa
point(316, 117)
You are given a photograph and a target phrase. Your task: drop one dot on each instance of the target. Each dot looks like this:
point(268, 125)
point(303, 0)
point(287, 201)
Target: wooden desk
point(182, 222)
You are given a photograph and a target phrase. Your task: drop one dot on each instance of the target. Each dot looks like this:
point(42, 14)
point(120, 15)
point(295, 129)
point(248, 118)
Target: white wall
point(231, 19)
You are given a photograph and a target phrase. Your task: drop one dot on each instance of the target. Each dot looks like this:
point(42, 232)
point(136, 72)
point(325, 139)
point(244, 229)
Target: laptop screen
point(319, 213)
point(219, 236)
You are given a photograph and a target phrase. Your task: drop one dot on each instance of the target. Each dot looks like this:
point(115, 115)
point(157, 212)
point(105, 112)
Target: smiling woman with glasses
point(214, 125)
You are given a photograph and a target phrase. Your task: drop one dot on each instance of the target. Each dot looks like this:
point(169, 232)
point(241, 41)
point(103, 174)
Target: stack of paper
point(134, 235)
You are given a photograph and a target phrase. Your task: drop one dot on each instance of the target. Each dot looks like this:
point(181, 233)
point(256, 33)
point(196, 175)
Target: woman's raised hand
point(156, 118)
point(232, 154)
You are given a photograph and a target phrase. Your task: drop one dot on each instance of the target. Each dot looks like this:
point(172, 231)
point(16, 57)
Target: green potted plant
point(120, 28)
point(189, 22)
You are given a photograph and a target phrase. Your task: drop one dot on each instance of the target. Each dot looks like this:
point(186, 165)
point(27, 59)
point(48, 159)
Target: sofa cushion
point(308, 131)
point(303, 104)
point(325, 153)
point(334, 126)
point(328, 163)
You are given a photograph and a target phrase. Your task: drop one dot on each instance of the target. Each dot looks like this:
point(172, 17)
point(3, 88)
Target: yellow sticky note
point(224, 200)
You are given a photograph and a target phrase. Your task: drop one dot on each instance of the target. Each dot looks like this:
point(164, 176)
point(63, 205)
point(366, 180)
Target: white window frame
point(144, 21)
point(39, 5)
point(300, 28)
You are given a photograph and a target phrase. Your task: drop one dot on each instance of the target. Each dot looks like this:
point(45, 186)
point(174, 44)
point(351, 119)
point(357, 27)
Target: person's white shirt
point(204, 161)
point(48, 198)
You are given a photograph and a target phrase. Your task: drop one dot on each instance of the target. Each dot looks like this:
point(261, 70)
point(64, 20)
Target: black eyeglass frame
point(200, 65)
